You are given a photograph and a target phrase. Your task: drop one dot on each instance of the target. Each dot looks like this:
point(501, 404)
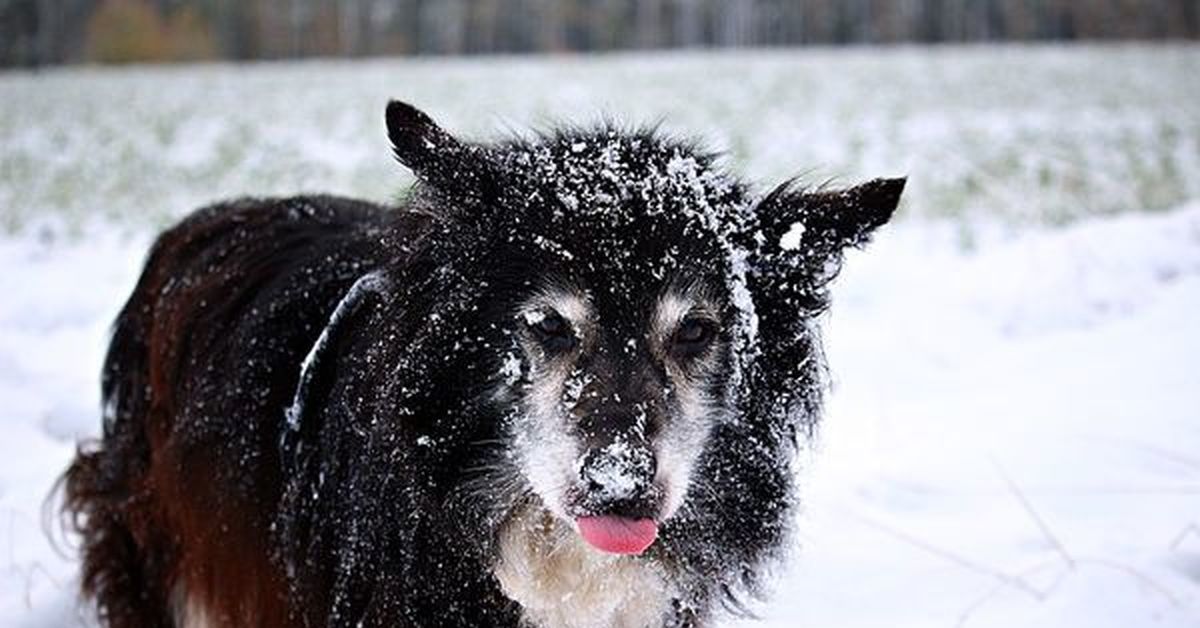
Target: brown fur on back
point(169, 514)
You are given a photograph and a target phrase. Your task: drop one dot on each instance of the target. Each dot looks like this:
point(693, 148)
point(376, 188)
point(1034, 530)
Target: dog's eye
point(692, 337)
point(553, 332)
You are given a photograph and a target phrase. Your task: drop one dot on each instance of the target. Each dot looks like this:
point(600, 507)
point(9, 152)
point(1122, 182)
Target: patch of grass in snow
point(1023, 135)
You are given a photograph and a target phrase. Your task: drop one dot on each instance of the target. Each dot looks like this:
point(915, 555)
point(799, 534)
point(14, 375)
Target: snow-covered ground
point(1027, 134)
point(1013, 438)
point(1014, 435)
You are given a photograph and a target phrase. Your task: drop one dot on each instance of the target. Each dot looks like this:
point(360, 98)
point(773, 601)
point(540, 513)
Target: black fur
point(356, 494)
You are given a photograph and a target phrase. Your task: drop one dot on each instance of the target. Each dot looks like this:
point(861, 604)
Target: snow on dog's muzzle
point(618, 500)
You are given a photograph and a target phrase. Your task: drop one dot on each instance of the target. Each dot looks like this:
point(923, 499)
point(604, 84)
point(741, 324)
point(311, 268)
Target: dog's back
point(235, 293)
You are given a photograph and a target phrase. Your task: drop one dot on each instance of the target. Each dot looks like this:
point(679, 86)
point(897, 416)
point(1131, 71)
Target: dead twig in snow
point(1047, 533)
point(971, 609)
point(966, 563)
point(1144, 579)
point(1187, 530)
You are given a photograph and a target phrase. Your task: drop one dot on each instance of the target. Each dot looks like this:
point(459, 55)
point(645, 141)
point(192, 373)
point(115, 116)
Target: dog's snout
point(618, 470)
point(619, 479)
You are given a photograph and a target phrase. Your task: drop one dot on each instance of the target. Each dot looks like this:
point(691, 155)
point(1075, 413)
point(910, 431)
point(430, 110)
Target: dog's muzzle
point(618, 479)
point(616, 503)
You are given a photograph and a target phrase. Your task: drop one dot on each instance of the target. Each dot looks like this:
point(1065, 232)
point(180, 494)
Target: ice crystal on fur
point(510, 368)
point(394, 408)
point(791, 240)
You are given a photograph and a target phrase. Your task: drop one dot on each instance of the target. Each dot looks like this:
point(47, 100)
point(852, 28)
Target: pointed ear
point(825, 222)
point(434, 155)
point(801, 235)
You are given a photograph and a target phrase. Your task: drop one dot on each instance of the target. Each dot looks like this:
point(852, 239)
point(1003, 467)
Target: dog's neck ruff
point(561, 582)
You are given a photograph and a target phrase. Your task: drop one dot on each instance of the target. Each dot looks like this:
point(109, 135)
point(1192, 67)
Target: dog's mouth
point(617, 535)
point(615, 502)
point(627, 526)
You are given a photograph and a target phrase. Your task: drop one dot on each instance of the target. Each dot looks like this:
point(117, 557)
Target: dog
point(559, 384)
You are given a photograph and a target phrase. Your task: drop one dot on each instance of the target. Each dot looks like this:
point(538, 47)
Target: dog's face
point(623, 326)
point(624, 335)
point(630, 273)
point(622, 389)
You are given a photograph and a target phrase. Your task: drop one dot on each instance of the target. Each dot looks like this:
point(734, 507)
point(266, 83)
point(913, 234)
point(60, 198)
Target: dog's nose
point(619, 471)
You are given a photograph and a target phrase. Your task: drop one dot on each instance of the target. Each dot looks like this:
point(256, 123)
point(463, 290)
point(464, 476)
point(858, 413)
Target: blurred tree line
point(36, 32)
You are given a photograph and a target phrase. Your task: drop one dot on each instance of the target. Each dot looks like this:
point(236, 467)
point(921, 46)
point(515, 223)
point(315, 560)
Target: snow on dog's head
point(653, 343)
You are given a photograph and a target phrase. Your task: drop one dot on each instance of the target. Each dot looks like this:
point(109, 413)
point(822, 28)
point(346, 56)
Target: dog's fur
point(321, 412)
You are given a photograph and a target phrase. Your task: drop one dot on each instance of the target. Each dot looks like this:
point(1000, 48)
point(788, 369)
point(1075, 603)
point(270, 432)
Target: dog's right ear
point(818, 225)
point(801, 236)
point(435, 156)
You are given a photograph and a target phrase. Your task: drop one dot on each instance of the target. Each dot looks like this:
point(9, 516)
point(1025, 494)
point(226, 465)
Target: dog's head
point(641, 298)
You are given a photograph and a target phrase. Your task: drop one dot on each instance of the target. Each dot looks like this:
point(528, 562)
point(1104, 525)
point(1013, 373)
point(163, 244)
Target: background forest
point(38, 32)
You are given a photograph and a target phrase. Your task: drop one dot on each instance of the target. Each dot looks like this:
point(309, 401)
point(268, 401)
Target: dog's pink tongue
point(618, 535)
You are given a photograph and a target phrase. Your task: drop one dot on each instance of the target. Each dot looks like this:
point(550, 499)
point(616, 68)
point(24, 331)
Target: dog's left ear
point(436, 157)
point(800, 235)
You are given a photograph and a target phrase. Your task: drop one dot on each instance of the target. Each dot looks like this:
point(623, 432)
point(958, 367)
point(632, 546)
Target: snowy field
point(1013, 436)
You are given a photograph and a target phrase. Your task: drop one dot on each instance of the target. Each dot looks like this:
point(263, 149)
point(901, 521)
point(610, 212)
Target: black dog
point(559, 385)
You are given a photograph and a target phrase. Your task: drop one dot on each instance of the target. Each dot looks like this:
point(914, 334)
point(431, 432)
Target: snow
point(790, 241)
point(1030, 133)
point(510, 368)
point(1013, 435)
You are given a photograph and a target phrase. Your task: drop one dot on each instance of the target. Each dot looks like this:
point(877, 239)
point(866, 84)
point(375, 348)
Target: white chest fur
point(561, 582)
